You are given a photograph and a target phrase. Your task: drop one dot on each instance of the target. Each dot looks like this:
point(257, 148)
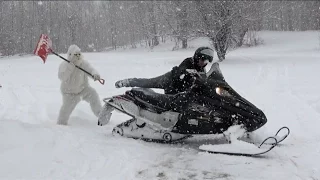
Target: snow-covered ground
point(281, 77)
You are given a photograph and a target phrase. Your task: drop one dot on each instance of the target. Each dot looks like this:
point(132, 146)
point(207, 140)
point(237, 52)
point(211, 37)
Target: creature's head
point(74, 54)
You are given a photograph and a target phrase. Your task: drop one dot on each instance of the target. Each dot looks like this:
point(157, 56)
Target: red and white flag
point(43, 47)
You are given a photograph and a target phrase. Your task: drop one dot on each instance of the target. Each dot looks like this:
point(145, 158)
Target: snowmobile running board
point(157, 126)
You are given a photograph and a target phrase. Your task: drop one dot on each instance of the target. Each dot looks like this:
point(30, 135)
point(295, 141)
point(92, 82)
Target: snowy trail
point(279, 77)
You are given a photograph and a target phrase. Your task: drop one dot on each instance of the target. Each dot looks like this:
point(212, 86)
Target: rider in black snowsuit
point(175, 81)
point(180, 79)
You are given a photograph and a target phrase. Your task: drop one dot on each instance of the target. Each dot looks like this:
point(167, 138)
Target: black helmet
point(203, 53)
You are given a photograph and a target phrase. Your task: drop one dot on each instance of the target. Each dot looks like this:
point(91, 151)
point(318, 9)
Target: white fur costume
point(75, 86)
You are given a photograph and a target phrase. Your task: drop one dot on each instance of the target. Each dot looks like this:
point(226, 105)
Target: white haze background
point(281, 77)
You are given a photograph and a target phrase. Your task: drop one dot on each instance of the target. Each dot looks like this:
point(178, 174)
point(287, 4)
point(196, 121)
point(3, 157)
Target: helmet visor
point(207, 54)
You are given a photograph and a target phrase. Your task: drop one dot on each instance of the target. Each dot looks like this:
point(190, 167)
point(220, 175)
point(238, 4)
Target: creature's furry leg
point(91, 96)
point(69, 102)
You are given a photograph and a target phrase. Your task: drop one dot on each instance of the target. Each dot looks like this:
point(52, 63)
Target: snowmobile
point(209, 107)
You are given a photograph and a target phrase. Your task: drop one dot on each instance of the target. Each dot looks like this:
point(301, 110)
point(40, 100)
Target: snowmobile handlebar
point(196, 78)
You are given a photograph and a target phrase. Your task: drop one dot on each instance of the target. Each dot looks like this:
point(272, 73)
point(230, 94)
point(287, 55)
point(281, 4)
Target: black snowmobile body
point(209, 107)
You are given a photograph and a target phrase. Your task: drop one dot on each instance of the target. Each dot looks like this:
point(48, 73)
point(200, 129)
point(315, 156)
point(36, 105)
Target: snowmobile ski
point(242, 148)
point(271, 142)
point(280, 139)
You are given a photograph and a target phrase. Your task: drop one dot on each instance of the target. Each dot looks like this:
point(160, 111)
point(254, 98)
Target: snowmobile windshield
point(215, 73)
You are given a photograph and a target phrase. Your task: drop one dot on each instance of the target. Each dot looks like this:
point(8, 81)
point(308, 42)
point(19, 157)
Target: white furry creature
point(75, 86)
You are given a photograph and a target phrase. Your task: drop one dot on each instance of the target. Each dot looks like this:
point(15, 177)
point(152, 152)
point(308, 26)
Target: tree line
point(108, 25)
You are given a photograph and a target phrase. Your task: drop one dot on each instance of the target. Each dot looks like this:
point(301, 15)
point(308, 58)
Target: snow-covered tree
point(96, 25)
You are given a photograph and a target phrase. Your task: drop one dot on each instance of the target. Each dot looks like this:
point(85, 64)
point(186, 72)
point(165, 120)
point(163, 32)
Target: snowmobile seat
point(151, 99)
